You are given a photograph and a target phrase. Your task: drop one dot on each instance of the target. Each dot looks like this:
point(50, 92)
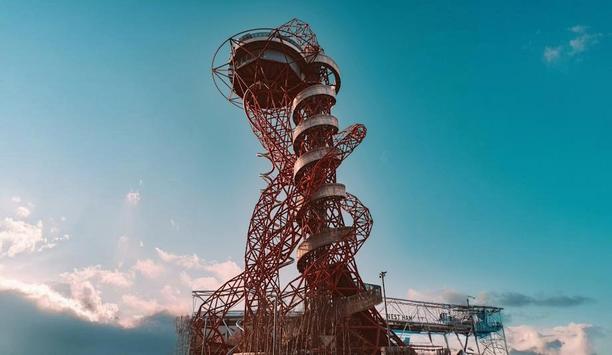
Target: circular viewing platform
point(267, 59)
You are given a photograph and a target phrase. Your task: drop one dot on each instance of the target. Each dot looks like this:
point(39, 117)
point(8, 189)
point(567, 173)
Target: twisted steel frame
point(287, 87)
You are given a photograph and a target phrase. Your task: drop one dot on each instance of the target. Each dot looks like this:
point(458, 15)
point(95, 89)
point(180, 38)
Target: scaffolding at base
point(449, 328)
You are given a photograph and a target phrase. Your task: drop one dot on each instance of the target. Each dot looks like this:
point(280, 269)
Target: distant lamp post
point(382, 276)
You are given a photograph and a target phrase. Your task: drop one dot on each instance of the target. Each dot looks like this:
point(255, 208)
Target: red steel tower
point(287, 87)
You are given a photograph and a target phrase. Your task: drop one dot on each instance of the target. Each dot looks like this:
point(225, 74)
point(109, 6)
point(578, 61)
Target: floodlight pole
point(382, 276)
point(473, 323)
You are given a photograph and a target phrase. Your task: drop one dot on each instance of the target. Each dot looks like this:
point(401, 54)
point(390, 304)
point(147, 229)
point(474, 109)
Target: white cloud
point(583, 42)
point(571, 339)
point(552, 54)
point(48, 245)
point(170, 293)
point(20, 237)
point(201, 283)
point(16, 199)
point(89, 297)
point(62, 238)
point(114, 295)
point(96, 272)
point(185, 261)
point(133, 198)
point(87, 284)
point(22, 212)
point(578, 29)
point(85, 301)
point(142, 305)
point(580, 42)
point(223, 270)
point(148, 268)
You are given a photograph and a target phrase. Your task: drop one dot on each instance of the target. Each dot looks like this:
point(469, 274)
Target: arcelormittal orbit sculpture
point(287, 87)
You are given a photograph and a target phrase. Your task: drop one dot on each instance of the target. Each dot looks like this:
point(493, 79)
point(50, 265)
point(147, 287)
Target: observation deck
point(271, 64)
point(259, 58)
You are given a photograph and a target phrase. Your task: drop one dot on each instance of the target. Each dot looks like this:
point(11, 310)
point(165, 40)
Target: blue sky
point(487, 165)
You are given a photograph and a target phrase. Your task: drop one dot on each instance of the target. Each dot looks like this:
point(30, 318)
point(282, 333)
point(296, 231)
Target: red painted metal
point(287, 87)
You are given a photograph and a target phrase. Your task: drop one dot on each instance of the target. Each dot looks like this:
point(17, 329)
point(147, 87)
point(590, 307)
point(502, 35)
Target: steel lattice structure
point(287, 87)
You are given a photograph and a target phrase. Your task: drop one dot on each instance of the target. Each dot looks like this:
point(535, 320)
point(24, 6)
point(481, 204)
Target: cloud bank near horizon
point(145, 281)
point(503, 299)
point(65, 333)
